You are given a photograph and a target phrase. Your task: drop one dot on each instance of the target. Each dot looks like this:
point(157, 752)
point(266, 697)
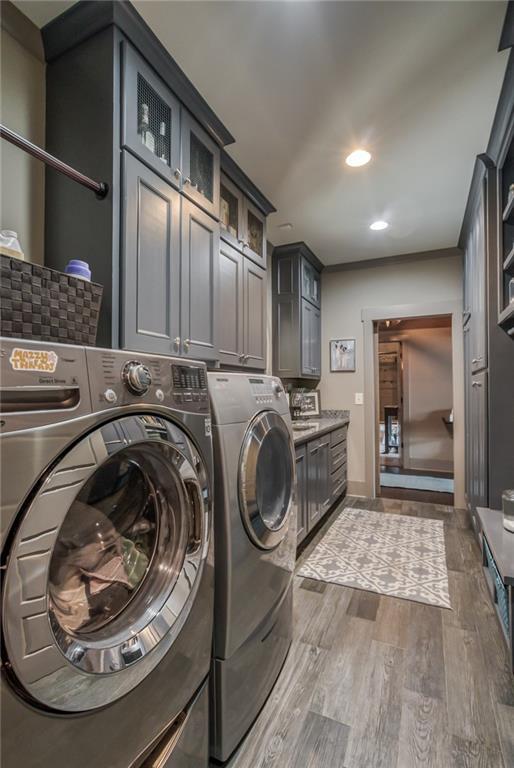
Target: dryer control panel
point(265, 390)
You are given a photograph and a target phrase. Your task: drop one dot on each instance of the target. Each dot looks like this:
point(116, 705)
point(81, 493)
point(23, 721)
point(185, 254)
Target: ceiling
point(301, 84)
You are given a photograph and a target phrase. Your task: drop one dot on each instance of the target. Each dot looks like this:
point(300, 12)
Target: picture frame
point(342, 355)
point(311, 403)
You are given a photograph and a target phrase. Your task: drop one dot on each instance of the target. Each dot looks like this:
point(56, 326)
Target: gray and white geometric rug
point(390, 554)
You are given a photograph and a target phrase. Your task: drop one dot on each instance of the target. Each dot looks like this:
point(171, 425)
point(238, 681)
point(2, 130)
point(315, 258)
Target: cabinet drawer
point(338, 482)
point(338, 436)
point(337, 456)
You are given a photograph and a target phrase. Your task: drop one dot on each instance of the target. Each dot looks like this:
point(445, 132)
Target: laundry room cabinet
point(296, 312)
point(243, 223)
point(320, 478)
point(121, 110)
point(241, 310)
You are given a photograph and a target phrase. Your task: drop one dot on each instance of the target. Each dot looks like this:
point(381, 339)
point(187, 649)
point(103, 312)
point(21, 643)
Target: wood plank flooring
point(379, 682)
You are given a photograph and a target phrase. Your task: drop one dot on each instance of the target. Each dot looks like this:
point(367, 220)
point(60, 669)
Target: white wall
point(345, 294)
point(427, 397)
point(22, 87)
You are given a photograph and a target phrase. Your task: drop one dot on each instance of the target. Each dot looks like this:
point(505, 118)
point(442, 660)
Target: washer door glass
point(266, 479)
point(119, 569)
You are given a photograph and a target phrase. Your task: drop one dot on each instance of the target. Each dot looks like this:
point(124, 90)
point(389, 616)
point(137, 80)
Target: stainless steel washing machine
point(107, 595)
point(255, 547)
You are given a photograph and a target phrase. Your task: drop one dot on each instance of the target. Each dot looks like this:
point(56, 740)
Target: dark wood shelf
point(509, 260)
point(508, 211)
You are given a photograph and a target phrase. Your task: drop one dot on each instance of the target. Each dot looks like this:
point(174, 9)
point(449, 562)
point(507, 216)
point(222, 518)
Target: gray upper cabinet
point(230, 306)
point(150, 117)
point(241, 310)
point(311, 283)
point(199, 283)
point(151, 261)
point(199, 165)
point(254, 233)
point(296, 312)
point(478, 292)
point(231, 213)
point(254, 324)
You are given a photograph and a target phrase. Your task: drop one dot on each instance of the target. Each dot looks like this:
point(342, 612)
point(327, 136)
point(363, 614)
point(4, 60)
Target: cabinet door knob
point(186, 180)
point(186, 344)
point(176, 343)
point(177, 173)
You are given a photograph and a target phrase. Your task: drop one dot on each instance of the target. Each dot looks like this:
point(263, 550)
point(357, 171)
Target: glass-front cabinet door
point(200, 165)
point(310, 283)
point(231, 213)
point(151, 117)
point(254, 233)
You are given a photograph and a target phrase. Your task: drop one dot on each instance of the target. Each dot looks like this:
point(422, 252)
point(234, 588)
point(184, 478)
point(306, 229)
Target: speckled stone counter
point(308, 429)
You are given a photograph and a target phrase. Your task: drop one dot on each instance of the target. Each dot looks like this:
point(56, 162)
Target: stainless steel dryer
point(255, 547)
point(107, 597)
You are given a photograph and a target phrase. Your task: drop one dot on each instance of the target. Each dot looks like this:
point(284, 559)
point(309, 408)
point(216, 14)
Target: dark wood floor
point(379, 682)
point(411, 494)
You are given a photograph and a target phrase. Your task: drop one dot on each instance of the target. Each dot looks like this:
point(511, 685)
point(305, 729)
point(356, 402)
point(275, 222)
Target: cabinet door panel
point(200, 164)
point(254, 315)
point(301, 493)
point(310, 283)
point(254, 233)
point(316, 342)
point(229, 306)
point(200, 274)
point(151, 117)
point(231, 213)
point(478, 290)
point(305, 337)
point(150, 260)
point(479, 450)
point(324, 486)
point(313, 484)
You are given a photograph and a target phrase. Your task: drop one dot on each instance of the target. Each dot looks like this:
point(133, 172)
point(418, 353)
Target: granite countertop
point(316, 427)
point(501, 542)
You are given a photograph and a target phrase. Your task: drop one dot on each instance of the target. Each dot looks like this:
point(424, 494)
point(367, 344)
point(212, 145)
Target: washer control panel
point(189, 383)
point(123, 378)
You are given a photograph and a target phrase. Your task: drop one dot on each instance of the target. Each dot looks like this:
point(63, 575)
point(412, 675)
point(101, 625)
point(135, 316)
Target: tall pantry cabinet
point(488, 348)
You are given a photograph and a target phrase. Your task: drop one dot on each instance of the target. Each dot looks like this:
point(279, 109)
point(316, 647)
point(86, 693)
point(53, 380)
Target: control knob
point(137, 378)
point(277, 388)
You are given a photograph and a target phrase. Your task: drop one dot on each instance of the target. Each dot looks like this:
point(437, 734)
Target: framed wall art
point(342, 355)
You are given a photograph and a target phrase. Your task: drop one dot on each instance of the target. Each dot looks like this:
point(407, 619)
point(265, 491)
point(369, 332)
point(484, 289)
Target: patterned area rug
point(390, 554)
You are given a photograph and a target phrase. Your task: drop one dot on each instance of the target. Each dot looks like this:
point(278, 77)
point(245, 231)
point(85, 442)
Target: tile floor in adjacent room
point(374, 681)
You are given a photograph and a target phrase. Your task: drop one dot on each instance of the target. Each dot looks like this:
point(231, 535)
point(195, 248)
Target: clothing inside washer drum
point(104, 547)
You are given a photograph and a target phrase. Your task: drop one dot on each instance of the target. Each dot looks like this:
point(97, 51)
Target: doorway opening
point(415, 409)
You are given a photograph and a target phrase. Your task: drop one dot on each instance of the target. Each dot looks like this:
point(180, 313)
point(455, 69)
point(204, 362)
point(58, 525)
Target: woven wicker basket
point(46, 305)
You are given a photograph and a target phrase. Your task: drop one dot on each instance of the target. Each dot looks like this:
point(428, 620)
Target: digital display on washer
point(188, 377)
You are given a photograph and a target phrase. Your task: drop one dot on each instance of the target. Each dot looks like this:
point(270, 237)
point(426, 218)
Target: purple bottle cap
point(78, 268)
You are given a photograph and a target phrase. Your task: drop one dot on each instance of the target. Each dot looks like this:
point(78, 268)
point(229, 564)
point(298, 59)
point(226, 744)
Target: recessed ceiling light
point(379, 225)
point(358, 157)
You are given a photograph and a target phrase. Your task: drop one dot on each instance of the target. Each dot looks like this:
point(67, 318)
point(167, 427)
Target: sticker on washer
point(41, 360)
point(208, 428)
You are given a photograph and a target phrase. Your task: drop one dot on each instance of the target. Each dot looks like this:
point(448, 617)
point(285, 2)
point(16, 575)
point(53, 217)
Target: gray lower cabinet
point(241, 310)
point(320, 478)
point(300, 499)
point(151, 264)
point(199, 282)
